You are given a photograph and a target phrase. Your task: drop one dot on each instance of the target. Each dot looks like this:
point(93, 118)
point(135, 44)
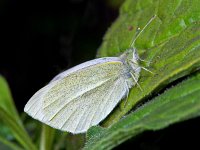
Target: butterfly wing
point(80, 97)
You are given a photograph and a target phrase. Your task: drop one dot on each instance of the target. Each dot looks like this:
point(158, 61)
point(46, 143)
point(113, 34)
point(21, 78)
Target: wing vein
point(81, 93)
point(76, 99)
point(100, 103)
point(103, 112)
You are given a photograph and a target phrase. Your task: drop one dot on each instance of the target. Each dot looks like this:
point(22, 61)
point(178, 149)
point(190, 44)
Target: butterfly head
point(130, 55)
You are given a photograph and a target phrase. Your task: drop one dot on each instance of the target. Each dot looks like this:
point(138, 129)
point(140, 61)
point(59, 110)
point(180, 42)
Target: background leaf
point(7, 145)
point(47, 137)
point(6, 101)
point(171, 43)
point(10, 120)
point(177, 104)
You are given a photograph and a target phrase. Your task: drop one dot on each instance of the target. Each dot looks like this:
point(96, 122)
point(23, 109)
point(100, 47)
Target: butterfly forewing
point(80, 97)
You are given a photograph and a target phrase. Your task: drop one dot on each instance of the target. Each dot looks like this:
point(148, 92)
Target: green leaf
point(47, 137)
point(171, 43)
point(60, 140)
point(10, 120)
point(6, 101)
point(5, 144)
point(74, 142)
point(176, 104)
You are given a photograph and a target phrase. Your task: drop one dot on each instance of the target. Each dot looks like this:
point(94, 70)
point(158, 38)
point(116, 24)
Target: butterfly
point(84, 95)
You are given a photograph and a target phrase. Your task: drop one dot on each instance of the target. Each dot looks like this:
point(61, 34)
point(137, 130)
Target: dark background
point(39, 40)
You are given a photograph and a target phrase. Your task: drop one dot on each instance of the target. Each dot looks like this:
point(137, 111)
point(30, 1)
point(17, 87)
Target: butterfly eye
point(128, 75)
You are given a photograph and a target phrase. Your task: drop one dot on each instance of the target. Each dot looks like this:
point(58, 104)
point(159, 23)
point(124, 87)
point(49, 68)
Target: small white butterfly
point(84, 95)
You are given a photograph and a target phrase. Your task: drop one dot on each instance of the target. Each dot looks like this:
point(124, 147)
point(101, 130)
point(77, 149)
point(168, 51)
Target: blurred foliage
point(10, 121)
point(114, 3)
point(170, 44)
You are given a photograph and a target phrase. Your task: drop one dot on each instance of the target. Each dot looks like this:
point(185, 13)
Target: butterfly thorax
point(130, 59)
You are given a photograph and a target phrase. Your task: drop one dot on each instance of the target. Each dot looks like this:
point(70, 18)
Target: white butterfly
point(84, 95)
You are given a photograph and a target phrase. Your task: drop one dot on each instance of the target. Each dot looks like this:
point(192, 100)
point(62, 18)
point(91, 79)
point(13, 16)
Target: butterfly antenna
point(138, 34)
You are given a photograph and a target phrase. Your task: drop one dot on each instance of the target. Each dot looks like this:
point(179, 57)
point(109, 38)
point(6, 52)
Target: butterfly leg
point(143, 67)
point(136, 81)
point(147, 70)
point(144, 60)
